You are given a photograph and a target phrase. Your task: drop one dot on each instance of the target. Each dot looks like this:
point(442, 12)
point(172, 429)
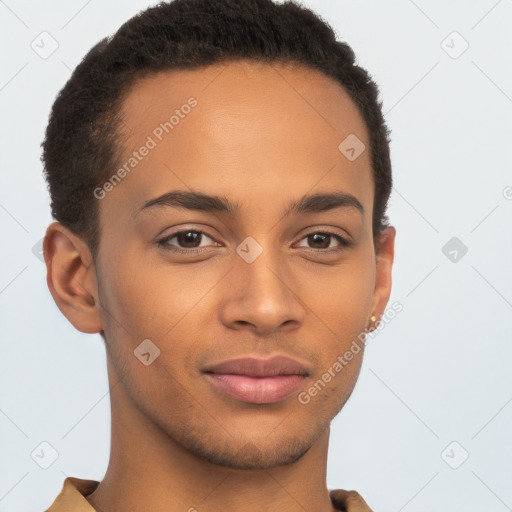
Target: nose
point(261, 296)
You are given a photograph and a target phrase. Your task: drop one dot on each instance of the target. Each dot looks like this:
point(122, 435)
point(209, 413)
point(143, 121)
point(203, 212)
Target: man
point(219, 174)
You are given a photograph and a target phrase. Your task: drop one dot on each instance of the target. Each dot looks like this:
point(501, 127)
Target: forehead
point(241, 126)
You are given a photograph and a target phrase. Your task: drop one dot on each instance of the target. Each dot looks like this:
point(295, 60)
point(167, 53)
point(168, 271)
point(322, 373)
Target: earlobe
point(71, 278)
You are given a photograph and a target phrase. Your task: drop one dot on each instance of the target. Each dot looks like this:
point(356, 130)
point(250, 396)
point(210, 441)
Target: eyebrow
point(190, 200)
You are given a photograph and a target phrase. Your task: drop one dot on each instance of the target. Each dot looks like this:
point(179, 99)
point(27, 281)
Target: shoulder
point(71, 497)
point(348, 501)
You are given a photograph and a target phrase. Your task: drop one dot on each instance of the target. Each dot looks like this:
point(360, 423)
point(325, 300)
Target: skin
point(261, 135)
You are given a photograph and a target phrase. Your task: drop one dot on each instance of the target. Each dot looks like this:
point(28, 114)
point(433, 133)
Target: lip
point(255, 380)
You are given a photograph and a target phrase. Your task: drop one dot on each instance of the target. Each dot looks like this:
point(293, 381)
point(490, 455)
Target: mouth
point(260, 381)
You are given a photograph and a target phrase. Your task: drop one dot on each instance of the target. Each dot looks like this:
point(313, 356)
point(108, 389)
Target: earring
point(373, 318)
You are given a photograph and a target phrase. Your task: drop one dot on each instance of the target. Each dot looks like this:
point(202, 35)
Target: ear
point(71, 278)
point(384, 264)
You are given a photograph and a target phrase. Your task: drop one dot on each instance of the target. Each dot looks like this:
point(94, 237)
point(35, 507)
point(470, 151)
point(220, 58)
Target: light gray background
point(438, 373)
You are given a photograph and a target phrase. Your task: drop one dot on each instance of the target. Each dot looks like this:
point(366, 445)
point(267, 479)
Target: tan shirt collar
point(71, 498)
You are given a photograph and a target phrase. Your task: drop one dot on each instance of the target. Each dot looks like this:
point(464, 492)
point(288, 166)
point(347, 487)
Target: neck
point(148, 470)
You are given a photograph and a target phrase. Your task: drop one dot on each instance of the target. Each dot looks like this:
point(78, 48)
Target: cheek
point(342, 298)
point(341, 308)
point(145, 297)
point(156, 301)
point(139, 306)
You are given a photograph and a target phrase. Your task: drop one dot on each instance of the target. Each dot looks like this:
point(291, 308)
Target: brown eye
point(187, 240)
point(320, 240)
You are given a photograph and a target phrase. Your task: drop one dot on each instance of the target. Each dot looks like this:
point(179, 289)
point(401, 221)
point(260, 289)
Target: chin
point(250, 456)
point(265, 451)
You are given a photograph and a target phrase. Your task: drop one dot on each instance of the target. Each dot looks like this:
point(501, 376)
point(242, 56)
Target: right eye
point(190, 238)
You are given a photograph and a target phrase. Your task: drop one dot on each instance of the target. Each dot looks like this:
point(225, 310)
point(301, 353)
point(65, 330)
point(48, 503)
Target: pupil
point(187, 237)
point(325, 238)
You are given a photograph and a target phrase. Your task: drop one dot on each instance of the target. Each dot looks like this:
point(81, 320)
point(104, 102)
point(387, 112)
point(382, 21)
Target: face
point(257, 279)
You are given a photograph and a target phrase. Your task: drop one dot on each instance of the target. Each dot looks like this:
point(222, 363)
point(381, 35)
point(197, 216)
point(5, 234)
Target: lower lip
point(257, 390)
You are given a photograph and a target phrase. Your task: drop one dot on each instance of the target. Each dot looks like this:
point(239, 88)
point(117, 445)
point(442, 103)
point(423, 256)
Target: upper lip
point(257, 367)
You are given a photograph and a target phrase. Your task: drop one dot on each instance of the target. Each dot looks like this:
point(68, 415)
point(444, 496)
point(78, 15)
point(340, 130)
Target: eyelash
point(163, 242)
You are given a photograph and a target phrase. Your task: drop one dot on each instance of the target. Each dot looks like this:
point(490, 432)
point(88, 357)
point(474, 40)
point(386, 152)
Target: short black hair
point(83, 140)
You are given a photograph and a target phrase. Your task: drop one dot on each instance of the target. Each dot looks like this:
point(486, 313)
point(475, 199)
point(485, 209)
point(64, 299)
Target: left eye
point(324, 239)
